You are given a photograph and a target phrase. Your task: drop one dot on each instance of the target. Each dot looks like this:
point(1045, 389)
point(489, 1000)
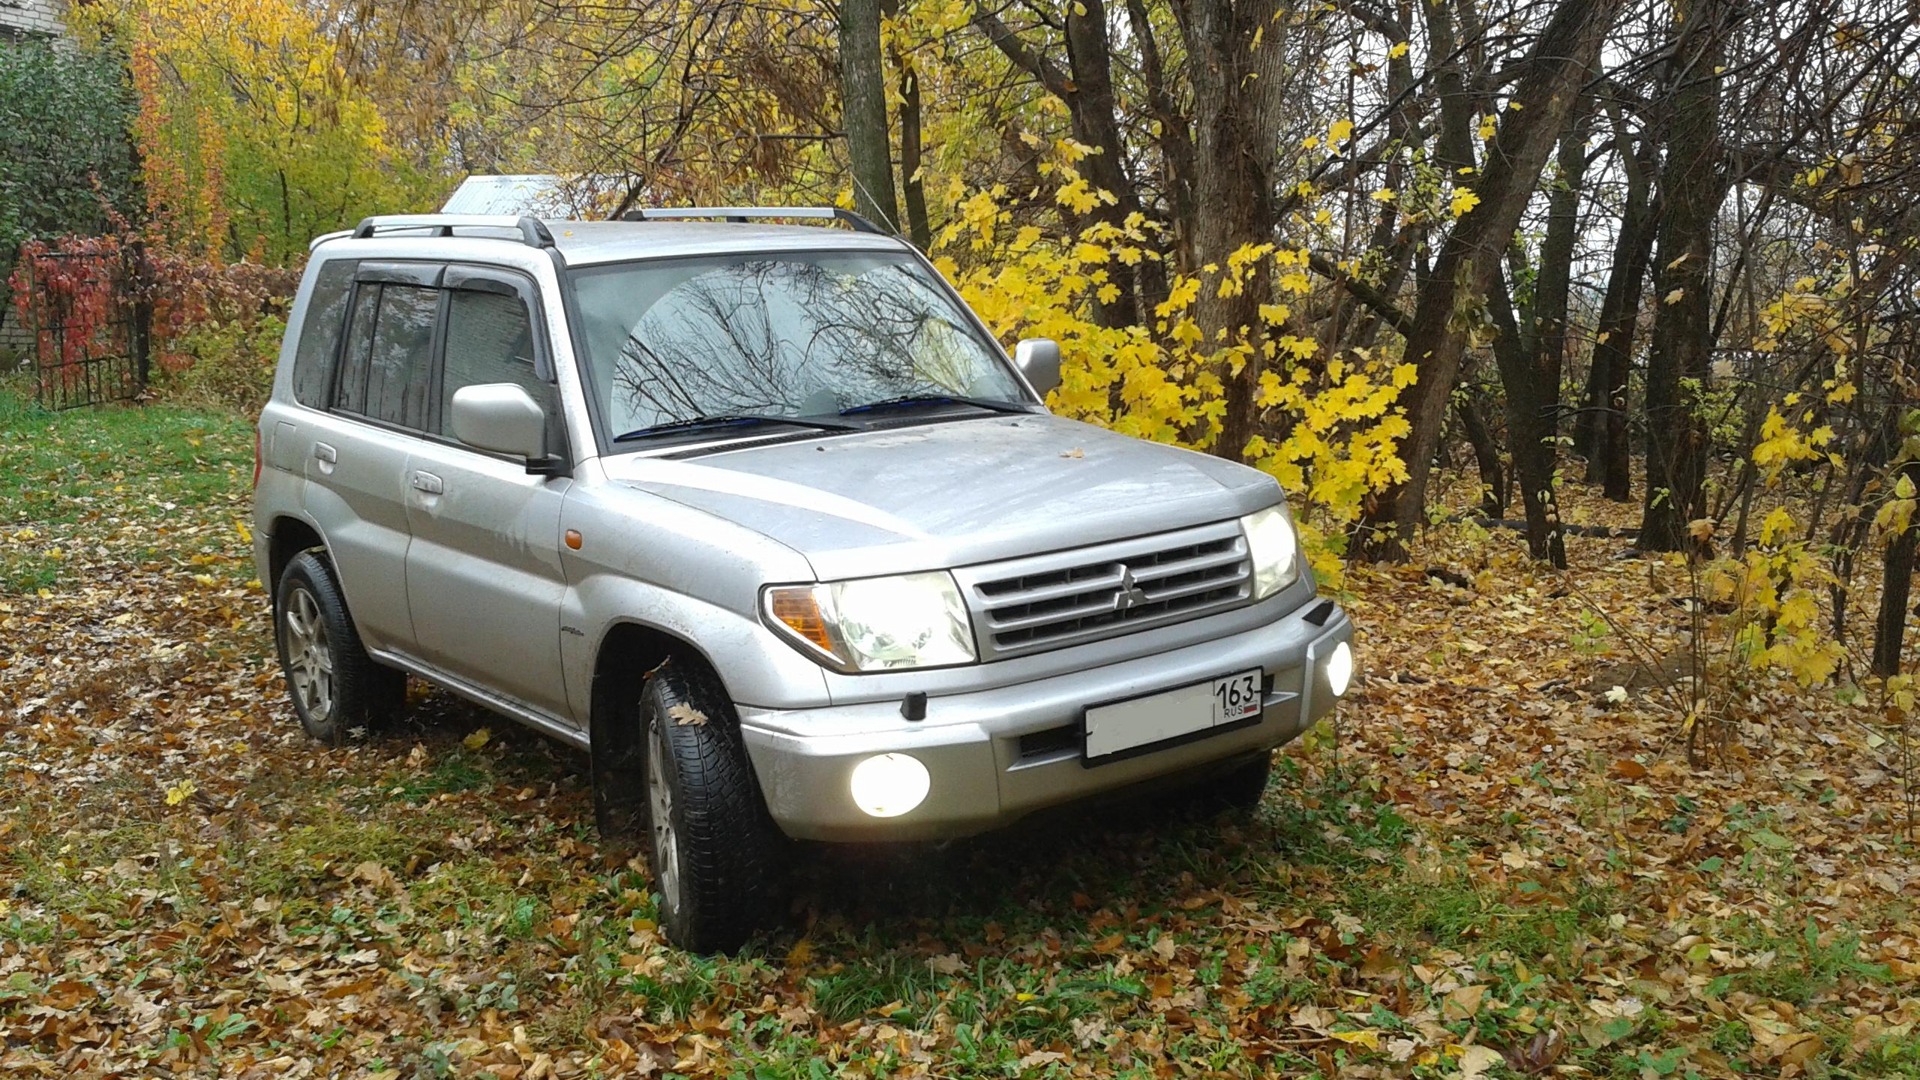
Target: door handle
point(323, 452)
point(428, 483)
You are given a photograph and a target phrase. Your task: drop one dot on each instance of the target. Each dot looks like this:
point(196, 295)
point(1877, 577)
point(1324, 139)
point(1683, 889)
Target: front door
point(484, 577)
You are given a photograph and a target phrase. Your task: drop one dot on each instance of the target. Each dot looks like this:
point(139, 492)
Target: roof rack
point(745, 213)
point(532, 232)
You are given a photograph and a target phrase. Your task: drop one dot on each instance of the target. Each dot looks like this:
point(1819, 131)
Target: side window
point(320, 333)
point(351, 394)
point(489, 340)
point(400, 359)
point(387, 367)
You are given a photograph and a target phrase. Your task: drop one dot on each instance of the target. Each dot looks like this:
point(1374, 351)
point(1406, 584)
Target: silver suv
point(762, 518)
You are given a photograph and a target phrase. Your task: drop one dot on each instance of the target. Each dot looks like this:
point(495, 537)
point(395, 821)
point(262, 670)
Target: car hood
point(952, 493)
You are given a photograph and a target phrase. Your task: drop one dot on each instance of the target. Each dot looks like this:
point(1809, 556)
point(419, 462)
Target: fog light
point(890, 784)
point(1339, 668)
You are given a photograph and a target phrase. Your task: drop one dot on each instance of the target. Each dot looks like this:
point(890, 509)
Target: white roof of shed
point(544, 195)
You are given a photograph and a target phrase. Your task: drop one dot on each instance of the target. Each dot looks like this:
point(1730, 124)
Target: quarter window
point(320, 333)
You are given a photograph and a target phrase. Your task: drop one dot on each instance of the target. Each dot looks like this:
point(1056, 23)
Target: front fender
point(757, 668)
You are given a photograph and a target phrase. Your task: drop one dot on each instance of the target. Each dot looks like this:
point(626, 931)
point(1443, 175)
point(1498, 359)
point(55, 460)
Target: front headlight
point(1275, 550)
point(876, 624)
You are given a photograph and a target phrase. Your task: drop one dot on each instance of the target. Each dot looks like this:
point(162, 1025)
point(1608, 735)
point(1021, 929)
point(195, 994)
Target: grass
point(411, 902)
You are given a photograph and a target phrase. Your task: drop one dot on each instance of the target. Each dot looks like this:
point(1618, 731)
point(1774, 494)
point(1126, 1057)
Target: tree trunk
point(1557, 67)
point(912, 185)
point(1693, 183)
point(1085, 86)
point(1609, 449)
point(1532, 402)
point(1486, 455)
point(1238, 85)
point(864, 102)
point(1890, 627)
point(1553, 285)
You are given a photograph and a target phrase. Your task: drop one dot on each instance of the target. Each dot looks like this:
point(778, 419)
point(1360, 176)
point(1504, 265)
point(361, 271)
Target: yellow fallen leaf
point(477, 740)
point(1368, 1038)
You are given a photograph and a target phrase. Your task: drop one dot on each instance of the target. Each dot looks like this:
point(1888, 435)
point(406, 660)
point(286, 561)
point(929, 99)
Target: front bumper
point(997, 755)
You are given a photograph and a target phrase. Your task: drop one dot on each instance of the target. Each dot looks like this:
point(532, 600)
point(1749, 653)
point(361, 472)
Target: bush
point(224, 365)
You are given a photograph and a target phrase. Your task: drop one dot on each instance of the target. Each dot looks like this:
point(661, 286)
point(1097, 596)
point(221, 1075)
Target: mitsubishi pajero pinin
point(763, 518)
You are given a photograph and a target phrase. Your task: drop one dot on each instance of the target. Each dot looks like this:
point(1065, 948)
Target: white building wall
point(25, 19)
point(38, 18)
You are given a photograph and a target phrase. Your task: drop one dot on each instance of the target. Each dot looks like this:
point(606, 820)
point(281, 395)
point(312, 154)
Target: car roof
point(586, 243)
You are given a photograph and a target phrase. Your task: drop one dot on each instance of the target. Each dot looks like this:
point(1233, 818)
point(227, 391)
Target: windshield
point(800, 335)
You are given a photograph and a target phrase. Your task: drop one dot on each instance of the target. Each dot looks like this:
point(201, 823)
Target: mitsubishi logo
point(1130, 591)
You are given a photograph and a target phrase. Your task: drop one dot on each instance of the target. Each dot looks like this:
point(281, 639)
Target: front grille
point(1086, 594)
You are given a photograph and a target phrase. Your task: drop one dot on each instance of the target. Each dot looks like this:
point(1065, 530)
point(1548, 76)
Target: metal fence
point(90, 335)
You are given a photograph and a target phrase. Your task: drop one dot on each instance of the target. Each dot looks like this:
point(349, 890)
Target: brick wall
point(35, 18)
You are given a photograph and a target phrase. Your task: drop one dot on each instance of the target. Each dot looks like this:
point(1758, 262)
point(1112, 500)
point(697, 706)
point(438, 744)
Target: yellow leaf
point(1368, 1038)
point(1464, 200)
point(1340, 131)
point(1675, 296)
point(1398, 51)
point(477, 740)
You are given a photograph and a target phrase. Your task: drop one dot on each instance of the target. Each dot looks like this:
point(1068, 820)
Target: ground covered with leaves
point(1500, 861)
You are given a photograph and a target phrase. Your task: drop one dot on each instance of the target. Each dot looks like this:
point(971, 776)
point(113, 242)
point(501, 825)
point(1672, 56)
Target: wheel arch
point(628, 653)
point(288, 536)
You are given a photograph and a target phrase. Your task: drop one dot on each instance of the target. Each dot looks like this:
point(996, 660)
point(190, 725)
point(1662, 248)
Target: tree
point(252, 135)
point(1693, 183)
point(864, 103)
point(65, 161)
point(1470, 257)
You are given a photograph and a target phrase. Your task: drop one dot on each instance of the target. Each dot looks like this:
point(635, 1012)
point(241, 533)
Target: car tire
point(717, 857)
point(335, 686)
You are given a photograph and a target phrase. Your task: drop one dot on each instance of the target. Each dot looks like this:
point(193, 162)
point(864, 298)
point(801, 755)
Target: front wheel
point(335, 685)
point(715, 853)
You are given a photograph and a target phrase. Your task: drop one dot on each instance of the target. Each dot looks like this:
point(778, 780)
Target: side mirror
point(503, 418)
point(1039, 360)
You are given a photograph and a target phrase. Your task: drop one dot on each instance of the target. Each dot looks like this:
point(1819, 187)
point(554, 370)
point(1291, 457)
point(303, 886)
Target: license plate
point(1188, 712)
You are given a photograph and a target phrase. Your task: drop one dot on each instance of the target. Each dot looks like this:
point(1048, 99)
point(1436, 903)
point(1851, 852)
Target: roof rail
point(532, 232)
point(745, 213)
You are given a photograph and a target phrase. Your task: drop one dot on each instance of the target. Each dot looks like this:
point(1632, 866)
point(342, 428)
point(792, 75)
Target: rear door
point(484, 578)
point(355, 454)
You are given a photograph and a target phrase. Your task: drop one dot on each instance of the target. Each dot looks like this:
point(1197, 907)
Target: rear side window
point(386, 372)
point(400, 368)
point(351, 396)
point(320, 332)
point(490, 340)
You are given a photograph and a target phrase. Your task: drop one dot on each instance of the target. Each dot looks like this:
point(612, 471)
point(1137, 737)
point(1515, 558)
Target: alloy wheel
point(666, 846)
point(309, 655)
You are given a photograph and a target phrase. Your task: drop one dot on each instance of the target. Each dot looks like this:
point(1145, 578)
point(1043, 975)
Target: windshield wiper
point(731, 420)
point(921, 401)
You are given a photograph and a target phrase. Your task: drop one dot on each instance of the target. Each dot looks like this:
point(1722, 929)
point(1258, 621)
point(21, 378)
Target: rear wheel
point(716, 854)
point(335, 685)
